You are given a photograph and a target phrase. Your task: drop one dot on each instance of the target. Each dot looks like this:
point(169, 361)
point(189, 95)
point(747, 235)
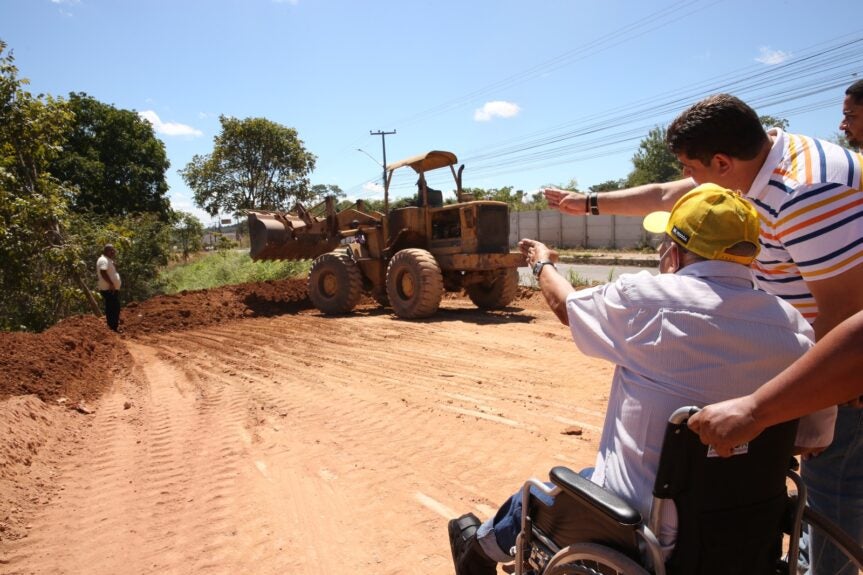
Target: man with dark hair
point(852, 114)
point(809, 197)
point(720, 124)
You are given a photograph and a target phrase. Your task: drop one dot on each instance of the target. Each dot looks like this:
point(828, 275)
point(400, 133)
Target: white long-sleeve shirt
point(694, 337)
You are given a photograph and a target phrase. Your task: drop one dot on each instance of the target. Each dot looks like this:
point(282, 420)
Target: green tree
point(114, 160)
point(537, 201)
point(319, 191)
point(255, 164)
point(608, 186)
point(840, 139)
point(571, 185)
point(37, 262)
point(144, 245)
point(653, 162)
point(47, 251)
point(188, 233)
point(773, 122)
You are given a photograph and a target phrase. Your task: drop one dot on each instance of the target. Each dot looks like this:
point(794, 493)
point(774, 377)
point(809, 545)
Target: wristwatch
point(537, 267)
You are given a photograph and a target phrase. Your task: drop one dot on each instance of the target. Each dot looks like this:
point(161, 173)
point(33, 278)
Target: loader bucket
point(281, 236)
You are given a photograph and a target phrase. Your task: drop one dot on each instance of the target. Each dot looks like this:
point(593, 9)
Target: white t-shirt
point(104, 263)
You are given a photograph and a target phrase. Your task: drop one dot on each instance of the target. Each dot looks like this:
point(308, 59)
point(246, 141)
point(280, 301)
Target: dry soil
point(238, 430)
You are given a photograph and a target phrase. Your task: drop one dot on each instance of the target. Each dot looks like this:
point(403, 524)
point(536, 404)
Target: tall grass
point(227, 268)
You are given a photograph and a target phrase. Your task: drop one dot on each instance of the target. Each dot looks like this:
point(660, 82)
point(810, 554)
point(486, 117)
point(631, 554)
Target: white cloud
point(169, 128)
point(63, 5)
point(771, 57)
point(373, 187)
point(498, 109)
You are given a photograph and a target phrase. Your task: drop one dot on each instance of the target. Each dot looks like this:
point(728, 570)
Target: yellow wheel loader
point(405, 257)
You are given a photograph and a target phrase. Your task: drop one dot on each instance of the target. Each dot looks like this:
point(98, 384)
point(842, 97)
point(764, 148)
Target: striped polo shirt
point(809, 197)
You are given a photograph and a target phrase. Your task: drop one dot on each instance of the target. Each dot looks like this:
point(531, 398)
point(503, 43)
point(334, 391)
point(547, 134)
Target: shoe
point(467, 554)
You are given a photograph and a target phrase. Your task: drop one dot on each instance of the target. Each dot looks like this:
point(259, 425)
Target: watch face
point(537, 267)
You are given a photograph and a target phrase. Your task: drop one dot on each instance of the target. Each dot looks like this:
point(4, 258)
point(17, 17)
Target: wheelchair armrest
point(604, 501)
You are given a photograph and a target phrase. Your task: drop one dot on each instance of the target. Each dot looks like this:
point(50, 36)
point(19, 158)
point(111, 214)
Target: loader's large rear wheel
point(335, 283)
point(497, 292)
point(414, 283)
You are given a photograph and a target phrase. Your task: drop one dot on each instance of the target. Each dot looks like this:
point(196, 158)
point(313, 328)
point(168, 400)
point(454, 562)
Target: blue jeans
point(834, 483)
point(497, 535)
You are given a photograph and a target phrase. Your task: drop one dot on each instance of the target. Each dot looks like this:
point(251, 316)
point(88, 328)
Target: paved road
point(591, 273)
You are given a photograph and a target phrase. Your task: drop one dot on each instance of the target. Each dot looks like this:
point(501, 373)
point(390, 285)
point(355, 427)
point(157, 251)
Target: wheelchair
point(736, 515)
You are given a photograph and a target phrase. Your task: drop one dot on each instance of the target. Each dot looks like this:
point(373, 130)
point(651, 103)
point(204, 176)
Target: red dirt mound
point(74, 359)
point(190, 309)
point(77, 358)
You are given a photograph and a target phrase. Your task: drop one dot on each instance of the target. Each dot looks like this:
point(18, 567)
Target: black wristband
point(592, 202)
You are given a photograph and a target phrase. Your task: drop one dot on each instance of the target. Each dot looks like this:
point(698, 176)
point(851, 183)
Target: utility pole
point(383, 136)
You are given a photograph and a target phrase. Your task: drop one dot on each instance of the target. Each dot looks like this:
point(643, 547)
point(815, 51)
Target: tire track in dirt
point(303, 443)
point(339, 369)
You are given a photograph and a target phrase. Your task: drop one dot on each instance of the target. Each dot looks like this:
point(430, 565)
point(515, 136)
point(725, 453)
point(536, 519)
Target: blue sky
point(525, 93)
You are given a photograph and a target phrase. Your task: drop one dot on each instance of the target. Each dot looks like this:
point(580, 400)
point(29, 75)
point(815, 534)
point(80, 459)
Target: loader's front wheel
point(496, 292)
point(335, 283)
point(414, 284)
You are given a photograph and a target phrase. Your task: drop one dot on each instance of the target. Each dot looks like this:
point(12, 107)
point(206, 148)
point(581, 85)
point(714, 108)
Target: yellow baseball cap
point(708, 221)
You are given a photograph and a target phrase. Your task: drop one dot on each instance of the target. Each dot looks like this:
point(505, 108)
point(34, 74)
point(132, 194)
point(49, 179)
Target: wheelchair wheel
point(838, 538)
point(592, 559)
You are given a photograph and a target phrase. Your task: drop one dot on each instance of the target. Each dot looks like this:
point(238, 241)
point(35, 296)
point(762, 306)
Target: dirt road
point(298, 443)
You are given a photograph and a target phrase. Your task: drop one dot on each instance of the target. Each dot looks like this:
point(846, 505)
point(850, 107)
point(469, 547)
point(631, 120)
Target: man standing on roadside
point(852, 115)
point(109, 285)
point(809, 198)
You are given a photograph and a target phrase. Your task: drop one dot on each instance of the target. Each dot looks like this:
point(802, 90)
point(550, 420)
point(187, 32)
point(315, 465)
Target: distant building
point(211, 238)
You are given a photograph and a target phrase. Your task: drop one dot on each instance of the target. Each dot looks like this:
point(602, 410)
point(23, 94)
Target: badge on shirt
point(738, 450)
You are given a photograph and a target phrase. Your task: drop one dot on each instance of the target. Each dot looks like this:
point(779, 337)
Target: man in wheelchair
point(695, 334)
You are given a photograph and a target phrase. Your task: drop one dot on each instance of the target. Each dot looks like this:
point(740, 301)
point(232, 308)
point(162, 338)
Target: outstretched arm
point(637, 201)
point(554, 286)
point(826, 375)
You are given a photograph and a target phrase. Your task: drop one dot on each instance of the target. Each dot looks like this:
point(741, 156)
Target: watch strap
point(592, 201)
point(538, 267)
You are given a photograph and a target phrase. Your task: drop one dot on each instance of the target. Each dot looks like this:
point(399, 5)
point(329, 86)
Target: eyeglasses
point(665, 247)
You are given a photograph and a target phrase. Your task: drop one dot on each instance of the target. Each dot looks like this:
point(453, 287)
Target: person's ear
point(722, 163)
point(674, 256)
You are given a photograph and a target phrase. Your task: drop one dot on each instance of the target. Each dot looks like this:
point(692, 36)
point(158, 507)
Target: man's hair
point(855, 90)
point(719, 124)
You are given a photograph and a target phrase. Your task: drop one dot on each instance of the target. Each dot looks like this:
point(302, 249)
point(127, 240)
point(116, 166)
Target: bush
point(228, 268)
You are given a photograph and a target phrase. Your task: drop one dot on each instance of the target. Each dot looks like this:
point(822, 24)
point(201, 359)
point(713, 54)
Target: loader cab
point(422, 164)
point(465, 226)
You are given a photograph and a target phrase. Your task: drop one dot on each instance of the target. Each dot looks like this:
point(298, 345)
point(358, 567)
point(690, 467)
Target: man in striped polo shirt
point(809, 198)
point(852, 115)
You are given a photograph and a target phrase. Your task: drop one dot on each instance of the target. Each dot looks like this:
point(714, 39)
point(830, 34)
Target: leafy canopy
point(35, 262)
point(255, 164)
point(47, 250)
point(114, 160)
point(188, 233)
point(654, 161)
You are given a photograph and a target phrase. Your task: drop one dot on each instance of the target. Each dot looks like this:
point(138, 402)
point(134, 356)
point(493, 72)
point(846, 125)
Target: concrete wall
point(562, 231)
